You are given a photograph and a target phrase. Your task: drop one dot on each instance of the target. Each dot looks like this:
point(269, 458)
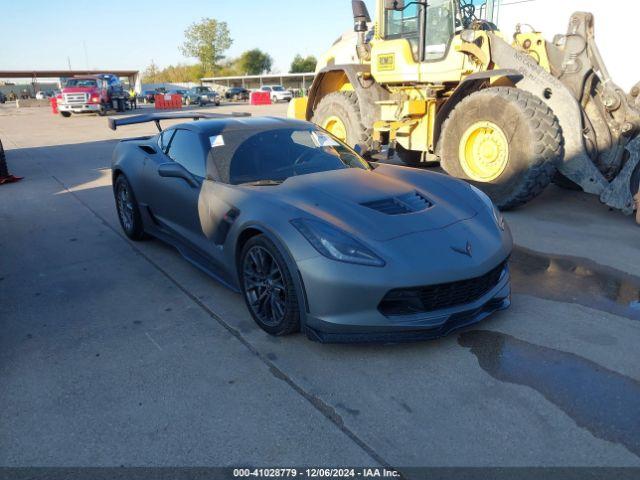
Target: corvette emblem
point(467, 250)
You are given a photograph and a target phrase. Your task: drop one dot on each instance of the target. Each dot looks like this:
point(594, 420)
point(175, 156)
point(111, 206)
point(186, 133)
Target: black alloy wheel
point(128, 211)
point(268, 287)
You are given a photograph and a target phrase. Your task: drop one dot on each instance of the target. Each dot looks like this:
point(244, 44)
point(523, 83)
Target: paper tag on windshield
point(216, 141)
point(322, 140)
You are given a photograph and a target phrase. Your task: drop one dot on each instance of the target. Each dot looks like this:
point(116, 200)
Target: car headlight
point(497, 214)
point(335, 244)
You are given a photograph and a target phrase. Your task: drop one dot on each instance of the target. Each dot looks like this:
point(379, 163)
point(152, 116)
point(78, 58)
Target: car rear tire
point(268, 288)
point(128, 210)
point(505, 141)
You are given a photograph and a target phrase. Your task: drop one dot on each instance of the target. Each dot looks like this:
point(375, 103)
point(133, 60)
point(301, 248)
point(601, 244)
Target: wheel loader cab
point(417, 42)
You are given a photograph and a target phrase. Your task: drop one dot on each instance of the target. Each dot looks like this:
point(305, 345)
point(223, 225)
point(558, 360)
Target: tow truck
point(92, 94)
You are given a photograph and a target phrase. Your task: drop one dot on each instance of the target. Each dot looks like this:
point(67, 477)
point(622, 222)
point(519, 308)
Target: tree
point(207, 41)
point(173, 73)
point(303, 65)
point(151, 74)
point(254, 62)
point(227, 68)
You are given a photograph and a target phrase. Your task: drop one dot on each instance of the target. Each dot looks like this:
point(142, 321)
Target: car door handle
point(175, 170)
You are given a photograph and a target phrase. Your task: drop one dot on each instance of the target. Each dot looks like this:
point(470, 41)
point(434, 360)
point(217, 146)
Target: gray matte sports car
point(314, 237)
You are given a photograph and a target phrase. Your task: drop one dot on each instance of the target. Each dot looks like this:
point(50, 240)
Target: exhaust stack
point(360, 20)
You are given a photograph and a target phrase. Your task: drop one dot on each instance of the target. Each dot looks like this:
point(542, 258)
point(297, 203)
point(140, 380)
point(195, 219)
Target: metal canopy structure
point(299, 80)
point(36, 75)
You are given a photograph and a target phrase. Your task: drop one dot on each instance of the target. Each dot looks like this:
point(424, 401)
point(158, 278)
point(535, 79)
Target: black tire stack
point(4, 169)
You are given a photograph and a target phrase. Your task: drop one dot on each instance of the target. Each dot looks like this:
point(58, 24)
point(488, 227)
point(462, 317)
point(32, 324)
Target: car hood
point(364, 203)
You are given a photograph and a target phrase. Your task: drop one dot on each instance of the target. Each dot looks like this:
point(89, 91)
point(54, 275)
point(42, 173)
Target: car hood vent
point(402, 205)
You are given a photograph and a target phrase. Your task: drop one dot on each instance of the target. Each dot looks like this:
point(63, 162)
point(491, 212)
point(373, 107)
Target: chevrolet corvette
point(314, 237)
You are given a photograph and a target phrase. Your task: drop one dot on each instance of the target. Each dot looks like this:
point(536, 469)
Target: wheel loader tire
point(524, 148)
point(343, 107)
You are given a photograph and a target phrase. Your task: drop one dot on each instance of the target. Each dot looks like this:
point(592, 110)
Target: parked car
point(147, 96)
point(315, 237)
point(237, 93)
point(92, 93)
point(202, 96)
point(277, 93)
point(44, 95)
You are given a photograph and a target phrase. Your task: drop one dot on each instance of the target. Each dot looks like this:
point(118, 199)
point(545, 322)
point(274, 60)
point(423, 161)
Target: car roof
point(219, 125)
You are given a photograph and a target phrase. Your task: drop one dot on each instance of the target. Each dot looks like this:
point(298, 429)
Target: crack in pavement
point(316, 402)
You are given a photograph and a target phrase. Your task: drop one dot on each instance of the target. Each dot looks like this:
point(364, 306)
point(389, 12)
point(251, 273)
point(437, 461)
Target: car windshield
point(278, 88)
point(270, 157)
point(81, 82)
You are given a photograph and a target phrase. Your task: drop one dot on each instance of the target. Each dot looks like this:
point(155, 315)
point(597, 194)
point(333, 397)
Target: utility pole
point(86, 55)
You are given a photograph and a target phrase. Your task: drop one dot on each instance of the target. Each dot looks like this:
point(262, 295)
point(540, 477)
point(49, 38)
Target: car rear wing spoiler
point(115, 122)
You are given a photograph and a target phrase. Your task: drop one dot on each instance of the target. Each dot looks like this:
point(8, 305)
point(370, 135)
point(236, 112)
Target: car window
point(164, 139)
point(266, 89)
point(185, 148)
point(243, 156)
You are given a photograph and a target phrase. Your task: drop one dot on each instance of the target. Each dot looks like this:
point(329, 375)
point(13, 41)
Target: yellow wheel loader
point(436, 81)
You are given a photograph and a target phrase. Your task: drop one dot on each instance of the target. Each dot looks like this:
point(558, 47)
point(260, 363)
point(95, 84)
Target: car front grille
point(79, 98)
point(409, 301)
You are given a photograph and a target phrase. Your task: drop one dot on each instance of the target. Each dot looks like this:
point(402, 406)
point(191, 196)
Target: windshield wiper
point(263, 183)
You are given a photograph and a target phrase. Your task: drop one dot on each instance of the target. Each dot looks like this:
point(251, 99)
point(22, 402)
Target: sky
point(119, 34)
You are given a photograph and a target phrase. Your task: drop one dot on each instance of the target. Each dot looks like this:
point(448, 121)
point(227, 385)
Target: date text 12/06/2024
point(315, 473)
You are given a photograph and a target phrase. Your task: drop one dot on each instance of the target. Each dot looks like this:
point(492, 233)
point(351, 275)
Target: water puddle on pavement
point(575, 280)
point(602, 401)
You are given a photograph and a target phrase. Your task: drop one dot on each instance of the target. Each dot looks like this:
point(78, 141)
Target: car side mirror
point(175, 170)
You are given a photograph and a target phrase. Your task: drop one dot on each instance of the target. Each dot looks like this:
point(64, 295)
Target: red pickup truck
point(92, 93)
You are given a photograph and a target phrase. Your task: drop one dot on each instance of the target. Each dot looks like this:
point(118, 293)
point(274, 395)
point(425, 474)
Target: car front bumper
point(344, 301)
point(374, 327)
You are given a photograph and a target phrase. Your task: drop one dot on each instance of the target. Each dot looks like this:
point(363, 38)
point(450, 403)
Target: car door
point(178, 173)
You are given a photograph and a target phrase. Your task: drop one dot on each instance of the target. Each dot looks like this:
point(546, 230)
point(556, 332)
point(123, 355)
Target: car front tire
point(268, 288)
point(128, 210)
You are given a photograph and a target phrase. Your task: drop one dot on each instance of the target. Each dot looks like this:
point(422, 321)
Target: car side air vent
point(148, 149)
point(402, 205)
